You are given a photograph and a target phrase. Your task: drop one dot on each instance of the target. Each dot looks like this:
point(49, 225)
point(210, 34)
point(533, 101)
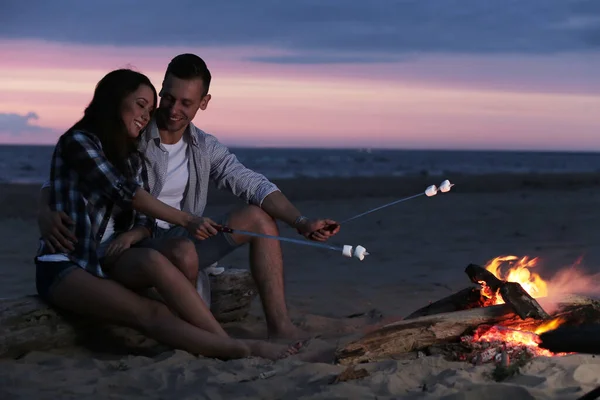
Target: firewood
point(28, 324)
point(479, 274)
point(420, 333)
point(511, 292)
point(576, 339)
point(462, 300)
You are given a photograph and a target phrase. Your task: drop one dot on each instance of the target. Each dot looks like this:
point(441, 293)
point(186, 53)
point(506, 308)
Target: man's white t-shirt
point(178, 172)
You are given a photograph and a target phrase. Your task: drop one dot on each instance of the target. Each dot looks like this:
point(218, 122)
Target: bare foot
point(271, 351)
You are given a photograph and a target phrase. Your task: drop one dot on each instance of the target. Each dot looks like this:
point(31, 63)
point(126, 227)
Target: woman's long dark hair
point(102, 117)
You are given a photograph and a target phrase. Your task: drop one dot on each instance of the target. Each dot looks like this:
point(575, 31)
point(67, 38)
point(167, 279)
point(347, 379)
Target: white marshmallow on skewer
point(431, 191)
point(445, 186)
point(347, 250)
point(359, 252)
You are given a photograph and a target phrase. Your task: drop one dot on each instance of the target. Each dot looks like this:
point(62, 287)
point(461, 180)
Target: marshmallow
point(360, 252)
point(347, 250)
point(431, 191)
point(445, 186)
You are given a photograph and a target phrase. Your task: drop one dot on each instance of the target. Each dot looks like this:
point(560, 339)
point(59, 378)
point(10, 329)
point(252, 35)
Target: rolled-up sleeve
point(228, 172)
point(84, 154)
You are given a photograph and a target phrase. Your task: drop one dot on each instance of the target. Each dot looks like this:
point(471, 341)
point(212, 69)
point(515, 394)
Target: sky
point(424, 74)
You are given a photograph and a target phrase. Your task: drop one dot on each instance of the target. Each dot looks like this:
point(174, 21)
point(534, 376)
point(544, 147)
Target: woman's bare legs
point(141, 268)
point(182, 254)
point(84, 294)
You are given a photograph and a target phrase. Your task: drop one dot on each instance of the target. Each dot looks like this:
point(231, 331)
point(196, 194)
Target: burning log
point(462, 300)
point(422, 333)
point(511, 292)
point(419, 333)
point(577, 339)
point(28, 324)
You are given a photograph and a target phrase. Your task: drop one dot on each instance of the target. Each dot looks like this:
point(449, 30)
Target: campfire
point(493, 342)
point(499, 320)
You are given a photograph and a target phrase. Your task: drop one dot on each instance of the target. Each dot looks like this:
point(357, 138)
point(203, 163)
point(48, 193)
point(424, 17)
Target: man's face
point(180, 100)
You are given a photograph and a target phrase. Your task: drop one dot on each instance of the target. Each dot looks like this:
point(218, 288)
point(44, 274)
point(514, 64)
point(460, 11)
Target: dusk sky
point(428, 74)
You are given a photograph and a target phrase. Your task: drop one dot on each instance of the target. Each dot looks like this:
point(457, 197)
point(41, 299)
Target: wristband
point(299, 220)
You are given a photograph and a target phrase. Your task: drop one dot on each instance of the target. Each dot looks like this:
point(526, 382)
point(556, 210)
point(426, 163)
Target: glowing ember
point(515, 337)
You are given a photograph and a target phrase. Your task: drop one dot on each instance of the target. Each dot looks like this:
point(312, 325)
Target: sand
point(418, 253)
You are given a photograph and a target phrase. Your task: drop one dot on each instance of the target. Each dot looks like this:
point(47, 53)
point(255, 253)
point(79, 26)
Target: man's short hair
point(190, 66)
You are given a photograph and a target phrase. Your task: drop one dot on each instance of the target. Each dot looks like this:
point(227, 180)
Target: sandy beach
point(419, 250)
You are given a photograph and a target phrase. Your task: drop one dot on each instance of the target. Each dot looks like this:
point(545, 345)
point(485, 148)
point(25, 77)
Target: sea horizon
point(31, 163)
point(233, 147)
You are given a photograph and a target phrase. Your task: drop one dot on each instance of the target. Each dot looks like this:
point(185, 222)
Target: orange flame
point(549, 325)
point(518, 271)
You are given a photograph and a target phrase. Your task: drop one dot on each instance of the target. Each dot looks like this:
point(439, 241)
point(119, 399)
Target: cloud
point(317, 31)
point(325, 58)
point(16, 125)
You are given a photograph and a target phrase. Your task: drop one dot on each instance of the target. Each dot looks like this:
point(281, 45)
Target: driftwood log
point(28, 324)
point(511, 292)
point(420, 333)
point(465, 299)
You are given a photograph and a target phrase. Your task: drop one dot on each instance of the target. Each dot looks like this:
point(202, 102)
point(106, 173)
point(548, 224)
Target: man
point(181, 160)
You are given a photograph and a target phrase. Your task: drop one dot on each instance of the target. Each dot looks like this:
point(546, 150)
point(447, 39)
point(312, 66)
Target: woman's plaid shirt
point(85, 186)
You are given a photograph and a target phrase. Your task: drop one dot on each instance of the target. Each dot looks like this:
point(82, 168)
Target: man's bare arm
point(277, 205)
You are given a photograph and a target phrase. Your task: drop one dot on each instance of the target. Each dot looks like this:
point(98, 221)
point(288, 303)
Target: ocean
point(30, 164)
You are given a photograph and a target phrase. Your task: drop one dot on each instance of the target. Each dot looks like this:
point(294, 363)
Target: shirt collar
point(153, 134)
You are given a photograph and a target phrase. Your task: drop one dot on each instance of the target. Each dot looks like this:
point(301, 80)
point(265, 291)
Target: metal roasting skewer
point(431, 191)
point(381, 207)
point(281, 238)
point(346, 250)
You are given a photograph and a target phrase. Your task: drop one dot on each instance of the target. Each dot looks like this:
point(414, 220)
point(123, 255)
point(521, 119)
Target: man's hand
point(55, 232)
point(202, 227)
point(318, 229)
point(121, 243)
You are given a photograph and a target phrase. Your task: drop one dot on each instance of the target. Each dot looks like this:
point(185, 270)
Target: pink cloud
point(429, 102)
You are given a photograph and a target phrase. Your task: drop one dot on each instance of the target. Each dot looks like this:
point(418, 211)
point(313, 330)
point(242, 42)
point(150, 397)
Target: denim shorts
point(49, 273)
point(209, 250)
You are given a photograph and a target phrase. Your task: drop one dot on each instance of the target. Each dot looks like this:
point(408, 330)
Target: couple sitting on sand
point(123, 212)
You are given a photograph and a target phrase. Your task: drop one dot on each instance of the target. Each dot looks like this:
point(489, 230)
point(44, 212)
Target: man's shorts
point(209, 250)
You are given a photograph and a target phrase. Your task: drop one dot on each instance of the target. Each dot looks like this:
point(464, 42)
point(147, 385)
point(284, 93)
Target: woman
point(96, 179)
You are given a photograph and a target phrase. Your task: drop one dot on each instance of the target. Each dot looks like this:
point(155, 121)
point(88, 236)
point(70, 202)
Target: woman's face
point(136, 110)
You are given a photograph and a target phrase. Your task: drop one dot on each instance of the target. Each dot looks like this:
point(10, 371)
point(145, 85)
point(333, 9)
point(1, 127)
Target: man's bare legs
point(266, 264)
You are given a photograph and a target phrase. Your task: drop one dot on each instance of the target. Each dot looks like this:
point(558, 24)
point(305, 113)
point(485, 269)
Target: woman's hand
point(121, 243)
